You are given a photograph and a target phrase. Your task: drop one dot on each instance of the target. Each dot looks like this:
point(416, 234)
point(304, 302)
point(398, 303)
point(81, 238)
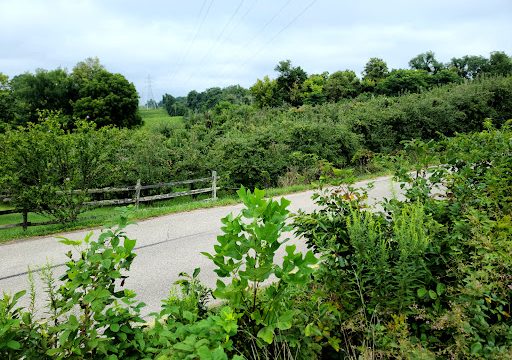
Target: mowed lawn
point(155, 118)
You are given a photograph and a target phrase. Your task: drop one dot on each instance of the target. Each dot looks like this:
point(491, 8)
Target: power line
point(178, 63)
point(247, 44)
point(249, 9)
point(267, 24)
point(190, 44)
point(222, 32)
point(281, 31)
point(216, 42)
point(275, 36)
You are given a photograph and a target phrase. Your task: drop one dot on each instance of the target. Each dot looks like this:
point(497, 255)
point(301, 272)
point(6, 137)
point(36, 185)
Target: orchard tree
point(426, 61)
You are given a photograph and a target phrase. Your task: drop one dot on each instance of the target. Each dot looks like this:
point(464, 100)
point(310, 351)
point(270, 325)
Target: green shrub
point(426, 277)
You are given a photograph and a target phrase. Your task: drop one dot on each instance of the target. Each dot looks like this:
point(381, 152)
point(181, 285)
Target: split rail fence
point(135, 199)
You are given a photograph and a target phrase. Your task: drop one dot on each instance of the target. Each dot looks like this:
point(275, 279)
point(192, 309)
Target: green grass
point(100, 216)
point(154, 118)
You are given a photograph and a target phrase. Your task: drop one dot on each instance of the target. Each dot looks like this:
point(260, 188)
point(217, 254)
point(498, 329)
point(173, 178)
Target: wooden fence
point(135, 199)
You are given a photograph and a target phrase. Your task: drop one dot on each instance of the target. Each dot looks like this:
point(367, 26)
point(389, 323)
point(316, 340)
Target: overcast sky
point(197, 44)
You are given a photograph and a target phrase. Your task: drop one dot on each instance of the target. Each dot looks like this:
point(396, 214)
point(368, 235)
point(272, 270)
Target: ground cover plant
point(426, 277)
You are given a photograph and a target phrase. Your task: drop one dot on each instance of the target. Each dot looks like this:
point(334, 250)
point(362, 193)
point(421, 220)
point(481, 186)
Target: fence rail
point(136, 199)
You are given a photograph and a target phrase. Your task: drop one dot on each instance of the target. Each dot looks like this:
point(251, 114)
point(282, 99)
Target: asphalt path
point(166, 246)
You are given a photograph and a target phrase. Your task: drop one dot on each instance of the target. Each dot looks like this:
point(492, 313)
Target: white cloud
point(169, 41)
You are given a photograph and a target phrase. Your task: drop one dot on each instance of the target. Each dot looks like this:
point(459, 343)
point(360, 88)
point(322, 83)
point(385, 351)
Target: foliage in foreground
point(428, 277)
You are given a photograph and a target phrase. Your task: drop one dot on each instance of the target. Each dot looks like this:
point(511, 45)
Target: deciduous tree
point(342, 84)
point(426, 61)
point(103, 97)
point(265, 93)
point(289, 82)
point(469, 66)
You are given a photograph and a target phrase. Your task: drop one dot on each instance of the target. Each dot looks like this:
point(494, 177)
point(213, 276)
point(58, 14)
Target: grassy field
point(154, 118)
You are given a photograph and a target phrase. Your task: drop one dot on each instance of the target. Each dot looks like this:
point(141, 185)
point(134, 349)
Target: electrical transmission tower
point(150, 100)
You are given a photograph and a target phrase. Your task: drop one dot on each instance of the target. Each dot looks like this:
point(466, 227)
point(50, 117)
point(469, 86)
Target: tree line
point(294, 87)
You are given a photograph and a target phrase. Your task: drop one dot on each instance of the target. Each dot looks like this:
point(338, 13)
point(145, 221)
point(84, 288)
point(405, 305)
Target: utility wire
point(261, 30)
point(222, 32)
point(280, 31)
point(267, 24)
point(275, 36)
point(216, 42)
point(191, 43)
point(178, 63)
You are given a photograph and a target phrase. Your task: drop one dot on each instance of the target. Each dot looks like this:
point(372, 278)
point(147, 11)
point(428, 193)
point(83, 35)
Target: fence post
point(137, 194)
point(214, 185)
point(25, 219)
point(192, 188)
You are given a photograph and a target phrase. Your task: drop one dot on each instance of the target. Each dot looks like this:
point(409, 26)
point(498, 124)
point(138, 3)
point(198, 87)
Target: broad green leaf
point(52, 352)
point(284, 322)
point(219, 354)
point(204, 353)
point(87, 237)
point(266, 334)
point(476, 348)
point(13, 344)
point(184, 347)
point(335, 343)
point(312, 330)
point(66, 241)
point(129, 244)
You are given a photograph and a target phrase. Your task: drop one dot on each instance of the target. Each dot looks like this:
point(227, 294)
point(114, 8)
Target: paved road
point(166, 246)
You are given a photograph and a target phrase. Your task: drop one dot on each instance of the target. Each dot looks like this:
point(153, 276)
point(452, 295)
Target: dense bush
point(42, 163)
point(428, 277)
point(245, 145)
point(254, 146)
